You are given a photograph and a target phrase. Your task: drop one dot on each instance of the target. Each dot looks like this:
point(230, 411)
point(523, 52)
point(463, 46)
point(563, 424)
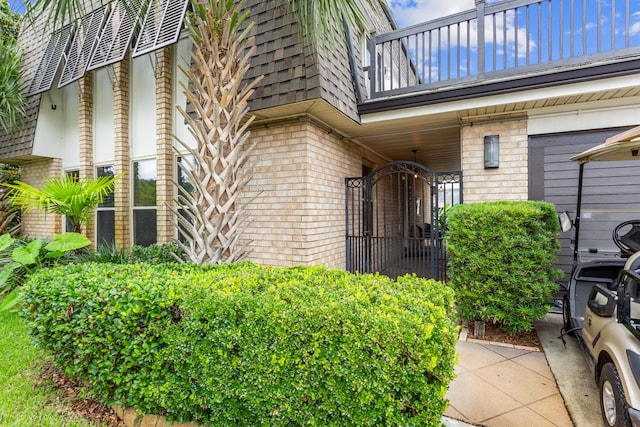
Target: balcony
point(503, 41)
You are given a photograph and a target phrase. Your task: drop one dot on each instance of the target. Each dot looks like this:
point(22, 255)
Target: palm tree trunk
point(220, 60)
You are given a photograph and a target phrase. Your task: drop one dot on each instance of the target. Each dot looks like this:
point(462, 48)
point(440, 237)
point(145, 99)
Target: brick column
point(35, 224)
point(164, 140)
point(122, 157)
point(85, 134)
point(509, 181)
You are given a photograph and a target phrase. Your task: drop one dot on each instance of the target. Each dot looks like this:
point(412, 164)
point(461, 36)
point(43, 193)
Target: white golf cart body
point(604, 304)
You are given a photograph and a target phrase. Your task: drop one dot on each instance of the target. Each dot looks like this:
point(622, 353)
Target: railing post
point(480, 37)
point(371, 46)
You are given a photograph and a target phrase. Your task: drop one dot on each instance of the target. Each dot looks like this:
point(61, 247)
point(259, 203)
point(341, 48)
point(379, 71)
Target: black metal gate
point(395, 218)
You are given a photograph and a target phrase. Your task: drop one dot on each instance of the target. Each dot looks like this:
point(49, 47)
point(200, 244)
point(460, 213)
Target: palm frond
point(322, 19)
point(12, 90)
point(64, 195)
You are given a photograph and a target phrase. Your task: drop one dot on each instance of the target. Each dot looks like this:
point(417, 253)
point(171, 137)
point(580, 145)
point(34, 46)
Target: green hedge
point(248, 345)
point(502, 257)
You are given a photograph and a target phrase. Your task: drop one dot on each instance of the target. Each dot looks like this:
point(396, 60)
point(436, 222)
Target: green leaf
point(6, 273)
point(54, 255)
point(27, 255)
point(6, 241)
point(10, 300)
point(67, 242)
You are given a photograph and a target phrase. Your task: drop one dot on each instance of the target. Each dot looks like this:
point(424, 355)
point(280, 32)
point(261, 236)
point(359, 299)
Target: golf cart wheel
point(612, 401)
point(566, 314)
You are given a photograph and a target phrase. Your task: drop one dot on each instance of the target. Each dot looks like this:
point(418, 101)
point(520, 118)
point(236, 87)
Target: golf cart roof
point(623, 146)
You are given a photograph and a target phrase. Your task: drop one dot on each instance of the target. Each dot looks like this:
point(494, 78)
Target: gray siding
point(611, 190)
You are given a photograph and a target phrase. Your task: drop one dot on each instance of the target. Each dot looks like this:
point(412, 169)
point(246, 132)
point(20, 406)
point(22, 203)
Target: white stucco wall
point(103, 129)
point(142, 108)
point(56, 133)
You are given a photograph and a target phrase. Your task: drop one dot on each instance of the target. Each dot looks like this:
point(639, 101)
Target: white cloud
point(410, 12)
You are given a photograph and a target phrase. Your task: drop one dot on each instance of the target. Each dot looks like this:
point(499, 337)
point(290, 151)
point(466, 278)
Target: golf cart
point(602, 304)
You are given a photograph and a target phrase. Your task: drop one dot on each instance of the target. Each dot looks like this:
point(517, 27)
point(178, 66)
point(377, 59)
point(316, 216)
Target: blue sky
point(410, 12)
point(17, 5)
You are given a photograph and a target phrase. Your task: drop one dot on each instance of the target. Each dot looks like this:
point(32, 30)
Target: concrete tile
point(553, 409)
point(507, 352)
point(474, 356)
point(537, 362)
point(477, 400)
point(459, 369)
point(521, 417)
point(510, 377)
point(453, 413)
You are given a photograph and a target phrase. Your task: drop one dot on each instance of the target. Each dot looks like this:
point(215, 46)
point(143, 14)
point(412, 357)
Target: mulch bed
point(495, 334)
point(69, 396)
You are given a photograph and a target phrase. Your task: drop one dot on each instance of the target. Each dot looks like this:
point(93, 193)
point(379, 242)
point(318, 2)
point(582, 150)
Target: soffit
point(436, 137)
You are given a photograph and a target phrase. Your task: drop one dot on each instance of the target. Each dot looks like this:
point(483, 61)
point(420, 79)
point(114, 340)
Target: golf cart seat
point(626, 236)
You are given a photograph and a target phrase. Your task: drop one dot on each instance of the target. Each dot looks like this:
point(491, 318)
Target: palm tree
point(67, 195)
point(220, 56)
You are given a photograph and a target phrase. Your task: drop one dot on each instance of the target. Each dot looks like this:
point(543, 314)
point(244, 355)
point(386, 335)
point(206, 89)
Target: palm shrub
point(502, 261)
point(66, 195)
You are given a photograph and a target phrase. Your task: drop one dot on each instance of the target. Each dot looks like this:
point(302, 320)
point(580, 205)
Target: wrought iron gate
point(395, 219)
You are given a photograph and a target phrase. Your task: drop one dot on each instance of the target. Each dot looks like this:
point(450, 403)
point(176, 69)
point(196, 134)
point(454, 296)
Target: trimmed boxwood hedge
point(248, 345)
point(502, 261)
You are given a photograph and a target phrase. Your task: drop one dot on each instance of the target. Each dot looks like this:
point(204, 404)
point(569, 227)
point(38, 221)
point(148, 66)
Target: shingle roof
point(16, 146)
point(293, 71)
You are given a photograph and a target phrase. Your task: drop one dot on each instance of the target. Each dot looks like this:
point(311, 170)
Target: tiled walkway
point(501, 386)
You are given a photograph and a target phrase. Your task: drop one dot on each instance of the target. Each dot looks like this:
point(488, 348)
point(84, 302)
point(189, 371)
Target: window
point(144, 202)
point(183, 186)
point(75, 174)
point(105, 213)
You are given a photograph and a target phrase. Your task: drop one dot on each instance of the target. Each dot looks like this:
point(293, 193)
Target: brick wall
point(166, 231)
point(297, 216)
point(36, 224)
point(121, 153)
point(509, 180)
point(85, 134)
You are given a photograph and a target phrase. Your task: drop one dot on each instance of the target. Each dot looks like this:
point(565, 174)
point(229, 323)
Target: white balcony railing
point(502, 39)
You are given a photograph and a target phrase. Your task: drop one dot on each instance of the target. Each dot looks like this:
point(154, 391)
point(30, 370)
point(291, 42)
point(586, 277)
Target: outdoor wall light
point(491, 151)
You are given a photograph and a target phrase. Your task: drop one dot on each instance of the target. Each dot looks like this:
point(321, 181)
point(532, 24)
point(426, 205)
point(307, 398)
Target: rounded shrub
point(502, 261)
point(248, 345)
